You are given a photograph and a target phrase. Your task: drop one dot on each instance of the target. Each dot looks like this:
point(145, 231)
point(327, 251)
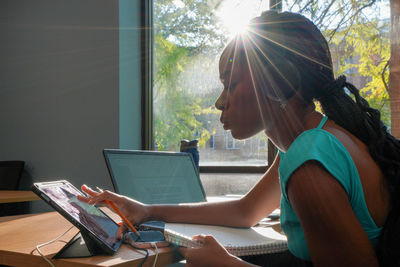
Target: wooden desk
point(20, 234)
point(11, 196)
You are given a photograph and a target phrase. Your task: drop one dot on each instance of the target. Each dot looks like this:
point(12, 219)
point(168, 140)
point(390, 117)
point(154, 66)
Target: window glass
point(189, 37)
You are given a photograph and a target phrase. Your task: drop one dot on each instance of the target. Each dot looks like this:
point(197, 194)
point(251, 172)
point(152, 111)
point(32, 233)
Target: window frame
point(147, 63)
point(146, 50)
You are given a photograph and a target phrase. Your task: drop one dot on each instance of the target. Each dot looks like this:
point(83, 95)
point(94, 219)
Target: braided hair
point(290, 39)
point(365, 123)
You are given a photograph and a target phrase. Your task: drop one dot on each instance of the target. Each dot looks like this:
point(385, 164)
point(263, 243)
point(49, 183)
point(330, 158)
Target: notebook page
point(239, 241)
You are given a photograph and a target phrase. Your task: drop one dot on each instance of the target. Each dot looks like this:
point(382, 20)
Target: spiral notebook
point(238, 241)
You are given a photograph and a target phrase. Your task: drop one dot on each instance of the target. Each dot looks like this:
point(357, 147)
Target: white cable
point(154, 245)
point(49, 242)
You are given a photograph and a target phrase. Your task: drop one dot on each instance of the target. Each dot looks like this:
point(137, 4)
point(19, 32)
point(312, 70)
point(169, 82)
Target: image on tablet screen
point(89, 216)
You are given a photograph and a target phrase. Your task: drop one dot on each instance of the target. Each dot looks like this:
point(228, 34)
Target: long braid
point(365, 123)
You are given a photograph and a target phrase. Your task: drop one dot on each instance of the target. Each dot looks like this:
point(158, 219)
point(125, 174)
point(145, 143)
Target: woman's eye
point(231, 87)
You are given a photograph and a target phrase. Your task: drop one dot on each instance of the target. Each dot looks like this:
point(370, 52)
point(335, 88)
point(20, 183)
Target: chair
point(10, 174)
point(10, 177)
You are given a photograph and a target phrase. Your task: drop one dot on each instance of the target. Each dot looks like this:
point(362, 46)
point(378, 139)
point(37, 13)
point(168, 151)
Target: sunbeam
point(291, 50)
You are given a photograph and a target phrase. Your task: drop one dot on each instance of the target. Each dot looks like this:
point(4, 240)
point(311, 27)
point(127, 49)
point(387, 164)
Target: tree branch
point(325, 12)
point(383, 76)
point(308, 3)
point(343, 21)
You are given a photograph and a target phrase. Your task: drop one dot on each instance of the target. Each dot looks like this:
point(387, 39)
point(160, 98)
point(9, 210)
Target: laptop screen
point(154, 177)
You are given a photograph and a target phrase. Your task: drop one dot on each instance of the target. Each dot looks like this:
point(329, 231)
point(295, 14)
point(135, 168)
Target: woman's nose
point(220, 104)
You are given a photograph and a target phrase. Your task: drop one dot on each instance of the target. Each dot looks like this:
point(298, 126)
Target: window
point(188, 39)
point(230, 142)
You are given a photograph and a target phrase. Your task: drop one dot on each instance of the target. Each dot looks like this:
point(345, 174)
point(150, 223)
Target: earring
point(283, 104)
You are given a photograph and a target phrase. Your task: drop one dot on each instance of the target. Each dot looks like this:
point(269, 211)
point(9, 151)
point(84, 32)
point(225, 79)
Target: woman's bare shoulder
point(371, 175)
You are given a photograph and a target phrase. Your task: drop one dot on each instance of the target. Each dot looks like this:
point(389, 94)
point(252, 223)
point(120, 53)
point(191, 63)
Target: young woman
point(336, 174)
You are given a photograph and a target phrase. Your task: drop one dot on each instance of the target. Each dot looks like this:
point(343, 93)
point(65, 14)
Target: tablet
point(99, 230)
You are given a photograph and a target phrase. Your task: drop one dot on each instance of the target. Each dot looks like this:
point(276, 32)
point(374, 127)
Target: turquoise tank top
point(322, 146)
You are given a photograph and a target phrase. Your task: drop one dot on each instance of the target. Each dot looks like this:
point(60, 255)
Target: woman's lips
point(224, 122)
point(225, 125)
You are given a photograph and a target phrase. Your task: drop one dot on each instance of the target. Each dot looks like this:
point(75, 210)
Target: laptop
point(154, 177)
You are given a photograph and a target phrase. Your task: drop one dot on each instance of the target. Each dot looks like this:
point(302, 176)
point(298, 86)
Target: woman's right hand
point(135, 211)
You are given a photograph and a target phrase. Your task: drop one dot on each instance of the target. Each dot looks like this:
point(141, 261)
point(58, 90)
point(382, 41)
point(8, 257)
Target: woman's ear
point(287, 81)
point(277, 81)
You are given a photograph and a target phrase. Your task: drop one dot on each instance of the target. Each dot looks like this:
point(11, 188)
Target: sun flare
point(235, 15)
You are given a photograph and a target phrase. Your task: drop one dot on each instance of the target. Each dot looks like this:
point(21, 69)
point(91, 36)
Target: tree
point(175, 109)
point(367, 45)
point(356, 27)
point(185, 30)
point(182, 31)
point(190, 24)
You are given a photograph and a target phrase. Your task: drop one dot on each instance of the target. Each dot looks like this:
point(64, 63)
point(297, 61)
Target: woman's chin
point(239, 135)
point(242, 133)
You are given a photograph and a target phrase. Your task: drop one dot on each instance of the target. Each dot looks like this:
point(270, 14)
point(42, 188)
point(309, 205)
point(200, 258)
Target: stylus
point(116, 210)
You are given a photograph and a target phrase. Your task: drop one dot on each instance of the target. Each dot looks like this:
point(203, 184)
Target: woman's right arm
point(261, 200)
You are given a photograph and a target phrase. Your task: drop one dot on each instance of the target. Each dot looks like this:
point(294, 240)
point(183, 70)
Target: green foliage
point(181, 32)
point(169, 64)
point(175, 109)
point(331, 16)
point(366, 50)
point(187, 29)
point(191, 24)
point(359, 41)
point(175, 119)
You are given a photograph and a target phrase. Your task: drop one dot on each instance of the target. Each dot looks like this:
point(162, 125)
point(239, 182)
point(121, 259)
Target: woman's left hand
point(209, 253)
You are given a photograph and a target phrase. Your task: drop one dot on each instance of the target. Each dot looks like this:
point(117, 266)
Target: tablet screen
point(64, 195)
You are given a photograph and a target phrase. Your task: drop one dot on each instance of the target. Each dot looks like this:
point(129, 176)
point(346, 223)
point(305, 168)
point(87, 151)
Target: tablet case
point(83, 244)
point(79, 247)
